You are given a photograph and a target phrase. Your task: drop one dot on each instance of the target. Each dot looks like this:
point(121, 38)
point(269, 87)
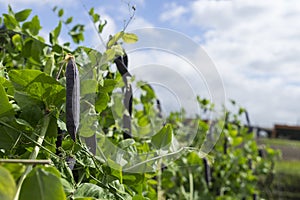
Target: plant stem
point(191, 180)
point(34, 153)
point(26, 161)
point(159, 190)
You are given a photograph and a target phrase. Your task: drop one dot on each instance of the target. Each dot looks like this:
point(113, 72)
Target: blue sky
point(255, 45)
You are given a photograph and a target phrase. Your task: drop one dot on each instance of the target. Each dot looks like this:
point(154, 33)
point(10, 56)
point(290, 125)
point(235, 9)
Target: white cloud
point(139, 22)
point(173, 12)
point(255, 45)
point(20, 4)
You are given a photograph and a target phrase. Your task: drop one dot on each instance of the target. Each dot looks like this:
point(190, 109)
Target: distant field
point(290, 148)
point(286, 182)
point(281, 142)
point(289, 167)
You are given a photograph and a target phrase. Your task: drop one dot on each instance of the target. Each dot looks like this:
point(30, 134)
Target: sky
point(253, 45)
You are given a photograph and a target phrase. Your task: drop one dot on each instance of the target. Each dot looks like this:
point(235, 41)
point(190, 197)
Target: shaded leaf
point(69, 20)
point(36, 185)
point(101, 102)
point(8, 137)
point(38, 85)
point(163, 138)
point(88, 86)
point(55, 33)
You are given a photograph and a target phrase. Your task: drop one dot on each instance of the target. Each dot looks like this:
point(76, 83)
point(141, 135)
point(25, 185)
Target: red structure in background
point(286, 132)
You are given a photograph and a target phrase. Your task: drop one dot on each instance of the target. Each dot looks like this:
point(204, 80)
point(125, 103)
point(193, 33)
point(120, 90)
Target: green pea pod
point(72, 97)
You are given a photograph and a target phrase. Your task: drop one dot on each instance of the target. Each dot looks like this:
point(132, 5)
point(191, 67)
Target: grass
point(288, 167)
point(280, 142)
point(286, 180)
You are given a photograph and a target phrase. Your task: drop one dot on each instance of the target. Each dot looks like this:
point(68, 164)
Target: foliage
point(32, 118)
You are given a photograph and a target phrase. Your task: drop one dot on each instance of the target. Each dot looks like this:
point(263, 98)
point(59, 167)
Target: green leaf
point(42, 183)
point(50, 65)
point(6, 108)
point(126, 143)
point(9, 134)
point(88, 86)
point(88, 123)
point(52, 128)
point(54, 8)
point(109, 85)
point(101, 26)
point(69, 20)
point(163, 138)
point(35, 26)
point(129, 38)
point(110, 55)
point(101, 102)
point(139, 197)
point(10, 11)
point(7, 185)
point(55, 33)
point(194, 159)
point(8, 87)
point(38, 85)
point(22, 15)
point(115, 39)
point(91, 12)
point(10, 22)
point(15, 169)
point(133, 178)
point(96, 17)
point(92, 191)
point(36, 50)
point(60, 12)
point(237, 141)
point(118, 50)
point(17, 41)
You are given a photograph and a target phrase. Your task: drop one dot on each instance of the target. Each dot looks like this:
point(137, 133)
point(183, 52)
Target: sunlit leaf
point(6, 108)
point(35, 26)
point(17, 41)
point(88, 190)
point(60, 12)
point(129, 38)
point(7, 185)
point(115, 39)
point(15, 169)
point(22, 15)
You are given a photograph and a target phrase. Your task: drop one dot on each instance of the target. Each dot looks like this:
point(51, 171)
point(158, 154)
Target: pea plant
point(67, 131)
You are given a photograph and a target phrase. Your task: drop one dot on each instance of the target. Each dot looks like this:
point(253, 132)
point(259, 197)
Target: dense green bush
point(32, 115)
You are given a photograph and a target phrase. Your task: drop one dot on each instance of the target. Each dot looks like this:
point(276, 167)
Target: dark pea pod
point(122, 66)
point(72, 97)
